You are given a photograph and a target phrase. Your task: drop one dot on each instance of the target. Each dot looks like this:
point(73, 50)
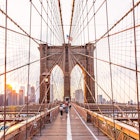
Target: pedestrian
point(66, 107)
point(61, 110)
point(69, 106)
point(63, 106)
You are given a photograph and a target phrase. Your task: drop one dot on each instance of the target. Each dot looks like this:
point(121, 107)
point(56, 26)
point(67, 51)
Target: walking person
point(69, 106)
point(61, 110)
point(66, 107)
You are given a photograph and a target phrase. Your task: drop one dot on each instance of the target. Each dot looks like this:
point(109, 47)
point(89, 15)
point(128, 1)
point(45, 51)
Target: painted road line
point(69, 135)
point(86, 125)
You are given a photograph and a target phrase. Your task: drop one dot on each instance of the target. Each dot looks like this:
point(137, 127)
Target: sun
point(14, 85)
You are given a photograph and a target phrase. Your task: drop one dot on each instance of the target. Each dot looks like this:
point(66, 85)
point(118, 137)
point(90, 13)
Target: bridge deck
point(70, 127)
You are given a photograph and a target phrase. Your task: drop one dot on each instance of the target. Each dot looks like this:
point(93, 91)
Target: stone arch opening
point(77, 84)
point(56, 84)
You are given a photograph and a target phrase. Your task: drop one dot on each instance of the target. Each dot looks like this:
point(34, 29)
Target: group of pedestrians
point(64, 107)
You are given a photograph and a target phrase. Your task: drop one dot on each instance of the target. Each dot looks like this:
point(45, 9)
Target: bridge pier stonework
point(61, 56)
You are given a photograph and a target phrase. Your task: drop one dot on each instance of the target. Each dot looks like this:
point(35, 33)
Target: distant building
point(32, 95)
point(29, 89)
point(104, 101)
point(21, 97)
point(1, 99)
point(130, 102)
point(14, 99)
point(79, 96)
point(37, 92)
point(25, 99)
point(100, 99)
point(23, 89)
point(9, 98)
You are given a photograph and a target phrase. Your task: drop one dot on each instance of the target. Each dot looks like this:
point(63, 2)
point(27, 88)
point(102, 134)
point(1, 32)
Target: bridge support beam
point(43, 71)
point(66, 72)
point(90, 90)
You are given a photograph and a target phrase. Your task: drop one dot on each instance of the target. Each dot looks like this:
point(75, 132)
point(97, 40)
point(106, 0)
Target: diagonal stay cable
point(88, 89)
point(17, 25)
point(74, 52)
point(97, 104)
point(117, 22)
point(100, 86)
point(39, 86)
point(28, 64)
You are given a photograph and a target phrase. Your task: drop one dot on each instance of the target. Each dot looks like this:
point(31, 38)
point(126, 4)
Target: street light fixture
point(46, 80)
point(46, 77)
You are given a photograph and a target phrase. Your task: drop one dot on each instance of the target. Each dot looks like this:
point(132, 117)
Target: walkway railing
point(112, 128)
point(28, 128)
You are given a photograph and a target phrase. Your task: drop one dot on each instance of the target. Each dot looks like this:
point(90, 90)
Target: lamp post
point(46, 80)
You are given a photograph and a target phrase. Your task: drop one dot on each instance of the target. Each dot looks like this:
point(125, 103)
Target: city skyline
point(14, 97)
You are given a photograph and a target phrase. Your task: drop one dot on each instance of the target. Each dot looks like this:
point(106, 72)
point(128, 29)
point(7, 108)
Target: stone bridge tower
point(61, 56)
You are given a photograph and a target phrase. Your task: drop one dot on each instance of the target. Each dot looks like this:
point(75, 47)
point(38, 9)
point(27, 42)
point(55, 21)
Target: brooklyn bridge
point(69, 70)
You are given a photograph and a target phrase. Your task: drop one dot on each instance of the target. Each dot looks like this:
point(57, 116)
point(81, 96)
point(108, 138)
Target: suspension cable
point(56, 62)
point(84, 26)
point(16, 25)
point(29, 57)
point(95, 45)
point(30, 63)
point(110, 68)
point(5, 68)
point(61, 20)
point(136, 65)
point(91, 77)
point(76, 61)
point(43, 18)
point(88, 56)
point(117, 22)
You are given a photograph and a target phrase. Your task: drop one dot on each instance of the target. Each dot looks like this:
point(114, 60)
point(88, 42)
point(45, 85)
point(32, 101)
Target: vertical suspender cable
point(28, 81)
point(5, 68)
point(95, 56)
point(40, 42)
point(95, 44)
point(51, 25)
point(87, 21)
point(80, 23)
point(136, 66)
point(47, 40)
point(83, 25)
point(52, 22)
point(41, 22)
point(76, 17)
point(111, 84)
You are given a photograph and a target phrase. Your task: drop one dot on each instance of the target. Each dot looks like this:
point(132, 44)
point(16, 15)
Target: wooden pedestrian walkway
point(70, 127)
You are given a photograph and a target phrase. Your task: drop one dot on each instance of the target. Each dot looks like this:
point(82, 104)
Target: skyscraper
point(9, 98)
point(21, 97)
point(32, 94)
point(23, 89)
point(37, 93)
point(79, 96)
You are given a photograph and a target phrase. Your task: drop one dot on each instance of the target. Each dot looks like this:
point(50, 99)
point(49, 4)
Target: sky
point(18, 46)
